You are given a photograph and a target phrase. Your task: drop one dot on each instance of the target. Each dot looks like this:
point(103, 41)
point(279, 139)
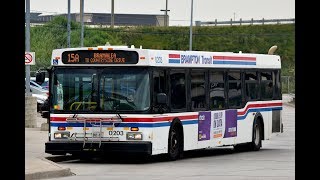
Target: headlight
point(62, 135)
point(134, 135)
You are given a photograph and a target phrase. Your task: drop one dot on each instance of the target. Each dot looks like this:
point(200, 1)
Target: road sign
point(29, 58)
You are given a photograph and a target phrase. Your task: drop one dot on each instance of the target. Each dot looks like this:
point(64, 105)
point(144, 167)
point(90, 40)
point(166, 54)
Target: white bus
point(115, 99)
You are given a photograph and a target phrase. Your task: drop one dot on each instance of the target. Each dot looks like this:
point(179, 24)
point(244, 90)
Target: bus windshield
point(100, 89)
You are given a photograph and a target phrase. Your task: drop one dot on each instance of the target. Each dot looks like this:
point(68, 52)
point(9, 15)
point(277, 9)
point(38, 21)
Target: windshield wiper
point(116, 111)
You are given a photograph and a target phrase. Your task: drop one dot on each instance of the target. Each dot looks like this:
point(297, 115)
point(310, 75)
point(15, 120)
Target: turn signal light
point(60, 128)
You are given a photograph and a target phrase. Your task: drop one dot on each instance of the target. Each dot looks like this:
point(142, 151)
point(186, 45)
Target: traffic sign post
point(29, 59)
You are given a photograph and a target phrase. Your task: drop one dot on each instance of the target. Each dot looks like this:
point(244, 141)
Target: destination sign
point(100, 57)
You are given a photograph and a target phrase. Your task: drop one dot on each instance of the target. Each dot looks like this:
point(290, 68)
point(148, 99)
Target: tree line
point(246, 38)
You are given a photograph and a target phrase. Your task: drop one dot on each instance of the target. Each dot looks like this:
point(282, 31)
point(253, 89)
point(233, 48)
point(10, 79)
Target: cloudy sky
point(180, 10)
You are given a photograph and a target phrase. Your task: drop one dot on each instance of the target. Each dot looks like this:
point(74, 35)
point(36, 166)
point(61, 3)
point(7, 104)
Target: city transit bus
point(116, 99)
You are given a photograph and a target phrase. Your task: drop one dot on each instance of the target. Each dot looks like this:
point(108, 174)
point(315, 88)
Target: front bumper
point(63, 147)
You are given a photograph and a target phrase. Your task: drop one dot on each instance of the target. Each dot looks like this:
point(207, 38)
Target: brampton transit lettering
point(191, 59)
point(196, 59)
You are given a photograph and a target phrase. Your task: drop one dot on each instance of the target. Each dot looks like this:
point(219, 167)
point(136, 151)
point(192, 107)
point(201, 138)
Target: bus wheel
point(256, 143)
point(174, 143)
point(256, 136)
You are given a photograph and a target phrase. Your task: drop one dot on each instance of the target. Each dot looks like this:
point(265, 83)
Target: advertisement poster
point(231, 123)
point(204, 125)
point(218, 124)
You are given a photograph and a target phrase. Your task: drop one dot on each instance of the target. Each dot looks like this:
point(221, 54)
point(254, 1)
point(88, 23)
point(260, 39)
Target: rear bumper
point(60, 148)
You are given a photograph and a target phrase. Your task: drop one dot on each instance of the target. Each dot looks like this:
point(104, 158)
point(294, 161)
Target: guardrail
point(241, 22)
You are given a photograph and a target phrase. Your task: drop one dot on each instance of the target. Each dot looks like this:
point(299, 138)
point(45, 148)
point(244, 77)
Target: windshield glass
point(101, 89)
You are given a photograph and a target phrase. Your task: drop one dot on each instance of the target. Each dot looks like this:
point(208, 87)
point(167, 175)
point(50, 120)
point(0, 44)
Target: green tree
point(245, 38)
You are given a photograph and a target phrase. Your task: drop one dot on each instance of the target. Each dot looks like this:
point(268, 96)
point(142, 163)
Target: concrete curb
point(60, 172)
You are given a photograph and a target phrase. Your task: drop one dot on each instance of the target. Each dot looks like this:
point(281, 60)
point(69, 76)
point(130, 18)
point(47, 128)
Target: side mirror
point(40, 77)
point(161, 98)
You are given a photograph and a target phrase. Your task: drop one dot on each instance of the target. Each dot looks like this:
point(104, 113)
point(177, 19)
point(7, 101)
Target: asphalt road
point(276, 160)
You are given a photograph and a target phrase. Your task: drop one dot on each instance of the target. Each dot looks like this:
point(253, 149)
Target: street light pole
point(112, 13)
point(81, 20)
point(68, 26)
point(190, 45)
point(27, 81)
point(166, 14)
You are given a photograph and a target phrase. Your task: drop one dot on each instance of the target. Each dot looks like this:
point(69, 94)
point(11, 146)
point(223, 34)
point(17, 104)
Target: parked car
point(40, 93)
point(44, 85)
point(41, 98)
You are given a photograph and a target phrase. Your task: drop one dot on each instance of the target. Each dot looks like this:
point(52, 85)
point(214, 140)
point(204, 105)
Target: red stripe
point(188, 117)
point(153, 119)
point(258, 105)
point(174, 55)
point(58, 118)
point(234, 58)
point(81, 118)
point(159, 119)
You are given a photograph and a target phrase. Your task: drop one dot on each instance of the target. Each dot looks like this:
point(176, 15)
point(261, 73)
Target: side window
point(277, 84)
point(266, 85)
point(198, 94)
point(234, 91)
point(178, 89)
point(158, 83)
point(251, 86)
point(216, 89)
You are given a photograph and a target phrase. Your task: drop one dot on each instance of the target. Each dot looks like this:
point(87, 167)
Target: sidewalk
point(36, 166)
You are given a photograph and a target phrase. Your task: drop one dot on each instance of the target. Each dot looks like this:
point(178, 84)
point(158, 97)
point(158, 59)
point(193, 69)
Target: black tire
point(174, 144)
point(256, 142)
point(38, 107)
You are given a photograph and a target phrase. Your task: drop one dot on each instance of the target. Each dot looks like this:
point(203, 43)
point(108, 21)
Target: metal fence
point(288, 84)
point(242, 22)
point(33, 73)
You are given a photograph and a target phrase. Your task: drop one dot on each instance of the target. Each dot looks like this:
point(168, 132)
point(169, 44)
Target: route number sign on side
point(29, 58)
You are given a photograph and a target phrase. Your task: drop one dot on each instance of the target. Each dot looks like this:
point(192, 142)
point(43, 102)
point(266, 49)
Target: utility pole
point(166, 14)
point(81, 20)
point(166, 23)
point(112, 13)
point(69, 26)
point(27, 81)
point(190, 45)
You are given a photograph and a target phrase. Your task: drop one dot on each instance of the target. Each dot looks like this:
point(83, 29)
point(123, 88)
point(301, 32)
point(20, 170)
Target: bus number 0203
point(116, 133)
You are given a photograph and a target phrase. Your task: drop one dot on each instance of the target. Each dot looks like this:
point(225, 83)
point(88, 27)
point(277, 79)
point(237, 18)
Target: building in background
point(104, 19)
